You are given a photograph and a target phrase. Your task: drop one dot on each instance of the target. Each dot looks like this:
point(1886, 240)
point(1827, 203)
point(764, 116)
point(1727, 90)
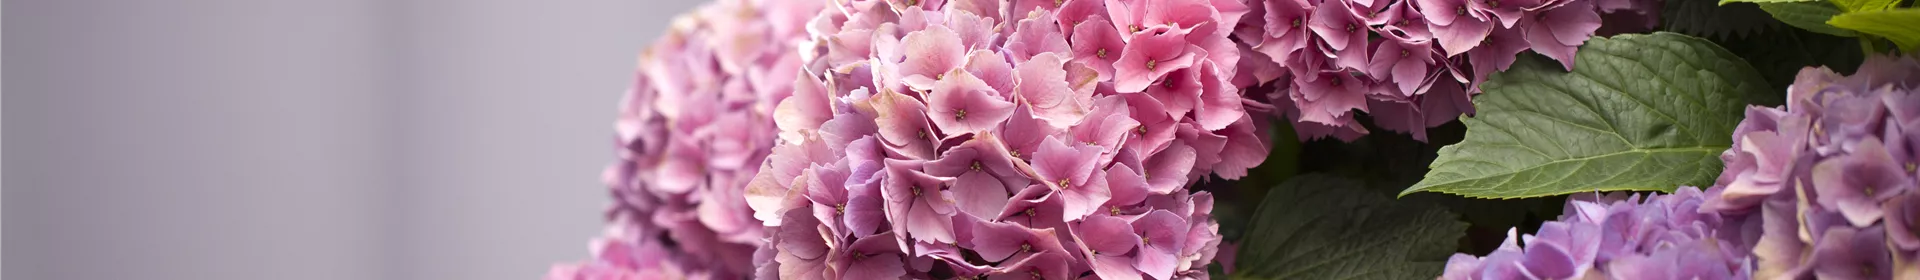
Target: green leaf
point(1724, 2)
point(1638, 112)
point(1708, 18)
point(1811, 16)
point(1901, 26)
point(1865, 5)
point(1322, 227)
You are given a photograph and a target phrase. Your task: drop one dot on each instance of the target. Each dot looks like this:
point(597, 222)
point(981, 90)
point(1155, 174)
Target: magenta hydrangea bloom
point(1830, 178)
point(1387, 56)
point(1615, 237)
point(691, 134)
point(976, 138)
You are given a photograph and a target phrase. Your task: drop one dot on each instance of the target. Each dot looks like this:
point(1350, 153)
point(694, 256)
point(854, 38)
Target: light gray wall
point(508, 121)
point(309, 139)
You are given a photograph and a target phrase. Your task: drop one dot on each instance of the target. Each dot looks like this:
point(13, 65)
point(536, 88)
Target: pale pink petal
point(1036, 35)
point(1150, 55)
point(992, 68)
point(1043, 84)
point(963, 104)
point(1220, 102)
point(929, 54)
point(1127, 186)
point(979, 194)
point(1167, 171)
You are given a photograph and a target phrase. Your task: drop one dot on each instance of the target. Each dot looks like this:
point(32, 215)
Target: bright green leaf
point(1638, 112)
point(1901, 26)
point(1865, 5)
point(1811, 16)
point(1321, 227)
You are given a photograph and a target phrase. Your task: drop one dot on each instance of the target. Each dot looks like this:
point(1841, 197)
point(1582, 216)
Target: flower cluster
point(1034, 138)
point(692, 132)
point(1618, 237)
point(1829, 181)
point(1410, 64)
point(625, 252)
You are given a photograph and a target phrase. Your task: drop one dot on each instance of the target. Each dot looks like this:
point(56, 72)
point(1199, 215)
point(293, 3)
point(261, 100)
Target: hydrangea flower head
point(1831, 176)
point(1014, 139)
point(1615, 237)
point(690, 135)
point(1391, 54)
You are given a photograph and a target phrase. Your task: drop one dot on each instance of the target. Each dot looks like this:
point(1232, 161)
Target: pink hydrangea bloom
point(1014, 139)
point(1386, 56)
point(691, 134)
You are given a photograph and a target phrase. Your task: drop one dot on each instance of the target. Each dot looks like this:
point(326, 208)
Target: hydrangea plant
point(1095, 139)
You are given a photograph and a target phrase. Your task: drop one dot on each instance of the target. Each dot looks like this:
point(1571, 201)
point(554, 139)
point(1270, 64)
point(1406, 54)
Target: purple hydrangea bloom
point(1389, 55)
point(1830, 178)
point(1607, 237)
point(691, 134)
point(975, 138)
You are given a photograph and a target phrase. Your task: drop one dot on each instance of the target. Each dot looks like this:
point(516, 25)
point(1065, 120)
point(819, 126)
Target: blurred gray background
point(309, 139)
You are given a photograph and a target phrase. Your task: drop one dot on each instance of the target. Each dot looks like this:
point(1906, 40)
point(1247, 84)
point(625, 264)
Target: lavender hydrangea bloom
point(1830, 178)
point(692, 132)
point(1606, 237)
point(983, 138)
point(1823, 188)
point(1402, 51)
